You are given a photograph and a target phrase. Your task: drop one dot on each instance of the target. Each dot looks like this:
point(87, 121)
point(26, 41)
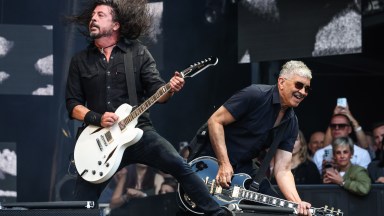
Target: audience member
point(316, 141)
point(168, 186)
point(359, 132)
point(372, 147)
point(106, 195)
point(303, 169)
point(135, 181)
point(378, 134)
point(376, 170)
point(184, 152)
point(340, 126)
point(351, 177)
point(376, 167)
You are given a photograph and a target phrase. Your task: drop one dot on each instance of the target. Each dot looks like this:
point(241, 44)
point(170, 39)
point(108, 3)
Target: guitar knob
point(93, 172)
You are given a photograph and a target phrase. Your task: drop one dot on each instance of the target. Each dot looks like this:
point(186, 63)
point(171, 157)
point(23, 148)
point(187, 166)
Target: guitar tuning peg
point(325, 207)
point(206, 179)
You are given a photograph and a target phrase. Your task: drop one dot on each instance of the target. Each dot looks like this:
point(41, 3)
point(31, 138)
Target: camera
point(327, 157)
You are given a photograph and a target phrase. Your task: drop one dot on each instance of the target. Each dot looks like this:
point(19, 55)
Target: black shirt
point(255, 109)
point(101, 86)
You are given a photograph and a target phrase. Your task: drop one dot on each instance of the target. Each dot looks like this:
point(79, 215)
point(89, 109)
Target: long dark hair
point(132, 15)
point(148, 181)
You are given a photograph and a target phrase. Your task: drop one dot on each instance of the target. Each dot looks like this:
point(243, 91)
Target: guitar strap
point(277, 134)
point(130, 77)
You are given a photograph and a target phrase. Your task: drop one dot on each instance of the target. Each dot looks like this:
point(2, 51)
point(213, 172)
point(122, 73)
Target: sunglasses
point(338, 126)
point(300, 85)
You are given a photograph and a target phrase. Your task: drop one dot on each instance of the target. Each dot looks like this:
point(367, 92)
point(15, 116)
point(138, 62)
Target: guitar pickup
point(104, 141)
point(108, 136)
point(99, 144)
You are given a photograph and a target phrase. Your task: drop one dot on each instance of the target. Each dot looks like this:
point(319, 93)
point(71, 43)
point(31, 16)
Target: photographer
point(351, 177)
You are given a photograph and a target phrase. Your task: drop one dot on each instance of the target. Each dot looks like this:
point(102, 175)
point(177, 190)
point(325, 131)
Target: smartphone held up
point(342, 102)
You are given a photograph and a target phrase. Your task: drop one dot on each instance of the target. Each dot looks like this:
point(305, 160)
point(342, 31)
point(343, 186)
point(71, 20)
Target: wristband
point(92, 118)
point(358, 129)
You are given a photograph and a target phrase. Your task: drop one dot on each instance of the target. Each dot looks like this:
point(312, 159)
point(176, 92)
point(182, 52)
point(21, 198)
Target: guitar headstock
point(196, 68)
point(326, 211)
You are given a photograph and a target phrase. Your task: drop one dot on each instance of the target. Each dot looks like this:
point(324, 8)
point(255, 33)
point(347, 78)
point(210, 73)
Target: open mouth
point(93, 26)
point(298, 95)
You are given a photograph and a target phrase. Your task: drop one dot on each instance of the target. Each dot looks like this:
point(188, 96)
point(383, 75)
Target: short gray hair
point(295, 68)
point(343, 141)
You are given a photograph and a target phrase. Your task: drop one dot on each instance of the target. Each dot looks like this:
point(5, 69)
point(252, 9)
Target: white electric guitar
point(98, 151)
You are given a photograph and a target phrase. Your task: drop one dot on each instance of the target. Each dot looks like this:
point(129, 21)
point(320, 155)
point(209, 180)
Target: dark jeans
point(155, 151)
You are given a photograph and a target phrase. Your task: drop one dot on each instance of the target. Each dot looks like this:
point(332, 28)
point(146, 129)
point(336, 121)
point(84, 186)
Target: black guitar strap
point(277, 134)
point(130, 77)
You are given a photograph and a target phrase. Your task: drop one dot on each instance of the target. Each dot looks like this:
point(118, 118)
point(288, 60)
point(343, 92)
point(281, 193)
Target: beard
point(101, 33)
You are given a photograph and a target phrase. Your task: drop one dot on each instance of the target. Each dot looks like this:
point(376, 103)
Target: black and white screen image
point(8, 172)
point(26, 60)
point(280, 29)
point(155, 41)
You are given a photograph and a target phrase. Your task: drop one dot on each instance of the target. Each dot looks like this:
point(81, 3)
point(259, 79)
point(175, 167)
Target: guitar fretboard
point(188, 72)
point(264, 199)
point(144, 106)
point(149, 102)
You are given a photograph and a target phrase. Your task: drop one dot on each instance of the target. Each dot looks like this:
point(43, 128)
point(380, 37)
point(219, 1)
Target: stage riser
point(52, 212)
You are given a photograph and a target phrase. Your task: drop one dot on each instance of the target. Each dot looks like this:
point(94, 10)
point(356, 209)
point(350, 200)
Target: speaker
point(63, 208)
point(52, 212)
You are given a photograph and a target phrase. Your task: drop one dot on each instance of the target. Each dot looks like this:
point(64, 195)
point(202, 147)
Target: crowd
point(338, 159)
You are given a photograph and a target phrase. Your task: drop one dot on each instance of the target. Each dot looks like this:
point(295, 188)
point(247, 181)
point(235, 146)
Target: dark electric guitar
point(98, 151)
point(206, 168)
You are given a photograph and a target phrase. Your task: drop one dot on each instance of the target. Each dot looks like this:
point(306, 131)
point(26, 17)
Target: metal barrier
point(332, 196)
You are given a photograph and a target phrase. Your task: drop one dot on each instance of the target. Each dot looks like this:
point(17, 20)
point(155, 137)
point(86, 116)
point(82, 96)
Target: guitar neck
point(145, 105)
point(264, 199)
point(270, 200)
point(188, 72)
